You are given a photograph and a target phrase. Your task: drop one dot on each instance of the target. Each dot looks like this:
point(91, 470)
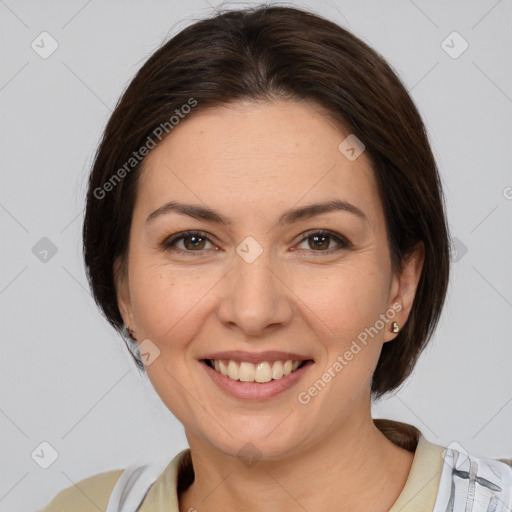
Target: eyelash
point(168, 244)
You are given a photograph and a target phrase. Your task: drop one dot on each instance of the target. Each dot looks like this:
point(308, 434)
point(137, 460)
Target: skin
point(251, 161)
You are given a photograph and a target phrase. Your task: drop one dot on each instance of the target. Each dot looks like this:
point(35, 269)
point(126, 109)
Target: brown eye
point(193, 241)
point(319, 241)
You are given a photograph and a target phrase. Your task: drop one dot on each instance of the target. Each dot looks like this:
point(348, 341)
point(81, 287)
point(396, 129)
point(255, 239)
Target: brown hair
point(264, 53)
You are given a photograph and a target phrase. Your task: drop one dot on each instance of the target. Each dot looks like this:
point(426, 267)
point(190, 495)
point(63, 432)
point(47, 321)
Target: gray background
point(65, 376)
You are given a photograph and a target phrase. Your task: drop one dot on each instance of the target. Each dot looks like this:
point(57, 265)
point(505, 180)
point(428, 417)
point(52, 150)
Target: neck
point(355, 468)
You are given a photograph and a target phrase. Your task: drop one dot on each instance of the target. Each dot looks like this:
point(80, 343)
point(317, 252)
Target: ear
point(123, 291)
point(403, 288)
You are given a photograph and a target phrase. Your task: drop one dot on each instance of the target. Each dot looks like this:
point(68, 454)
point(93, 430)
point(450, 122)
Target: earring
point(394, 327)
point(129, 331)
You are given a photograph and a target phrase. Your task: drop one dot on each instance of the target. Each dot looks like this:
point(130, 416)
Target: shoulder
point(481, 480)
point(88, 495)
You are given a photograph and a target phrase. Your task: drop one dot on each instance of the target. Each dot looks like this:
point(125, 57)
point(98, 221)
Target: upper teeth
point(260, 372)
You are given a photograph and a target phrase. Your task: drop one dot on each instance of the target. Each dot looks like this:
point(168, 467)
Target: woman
point(265, 220)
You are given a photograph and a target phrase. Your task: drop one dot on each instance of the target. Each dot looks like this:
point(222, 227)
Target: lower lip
point(255, 390)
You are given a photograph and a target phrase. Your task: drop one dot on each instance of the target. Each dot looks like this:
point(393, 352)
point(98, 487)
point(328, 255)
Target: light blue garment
point(133, 486)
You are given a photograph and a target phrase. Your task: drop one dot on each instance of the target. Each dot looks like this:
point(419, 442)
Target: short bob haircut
point(265, 53)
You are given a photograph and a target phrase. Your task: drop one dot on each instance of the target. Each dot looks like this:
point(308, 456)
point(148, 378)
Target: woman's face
point(264, 287)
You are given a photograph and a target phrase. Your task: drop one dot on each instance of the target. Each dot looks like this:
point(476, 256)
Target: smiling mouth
point(262, 372)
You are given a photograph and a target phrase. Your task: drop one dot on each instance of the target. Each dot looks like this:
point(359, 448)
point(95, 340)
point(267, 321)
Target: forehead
point(254, 156)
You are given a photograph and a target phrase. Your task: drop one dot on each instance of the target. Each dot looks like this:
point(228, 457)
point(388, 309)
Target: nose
point(255, 298)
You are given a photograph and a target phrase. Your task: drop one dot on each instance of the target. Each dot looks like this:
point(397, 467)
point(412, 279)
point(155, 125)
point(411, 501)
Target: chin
point(262, 441)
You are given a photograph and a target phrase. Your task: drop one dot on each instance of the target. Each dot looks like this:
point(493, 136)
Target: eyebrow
point(288, 217)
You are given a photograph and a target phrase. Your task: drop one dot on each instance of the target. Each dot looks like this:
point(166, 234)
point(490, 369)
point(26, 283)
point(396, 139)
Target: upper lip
point(256, 357)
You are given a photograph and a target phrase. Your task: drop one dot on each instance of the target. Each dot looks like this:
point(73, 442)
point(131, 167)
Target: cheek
point(350, 305)
point(167, 303)
point(346, 299)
